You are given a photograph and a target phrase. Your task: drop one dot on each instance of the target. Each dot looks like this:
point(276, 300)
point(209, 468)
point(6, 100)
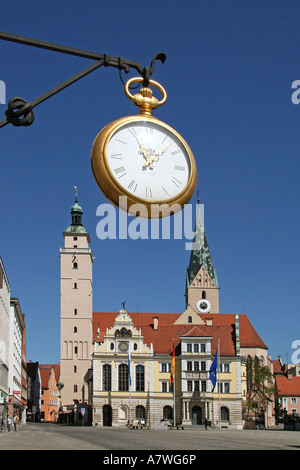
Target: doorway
point(196, 416)
point(107, 415)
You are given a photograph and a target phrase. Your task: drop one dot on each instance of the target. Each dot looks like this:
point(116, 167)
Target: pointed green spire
point(200, 254)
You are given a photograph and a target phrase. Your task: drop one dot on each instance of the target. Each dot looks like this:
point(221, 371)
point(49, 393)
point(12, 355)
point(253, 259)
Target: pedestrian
point(8, 423)
point(205, 423)
point(16, 422)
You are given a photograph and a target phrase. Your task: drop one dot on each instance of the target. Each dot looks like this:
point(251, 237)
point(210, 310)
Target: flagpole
point(172, 381)
point(174, 397)
point(219, 383)
point(129, 380)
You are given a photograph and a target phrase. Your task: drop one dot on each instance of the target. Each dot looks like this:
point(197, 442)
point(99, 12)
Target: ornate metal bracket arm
point(20, 113)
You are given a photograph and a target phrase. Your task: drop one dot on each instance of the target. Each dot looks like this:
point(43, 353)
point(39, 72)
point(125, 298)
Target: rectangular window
point(203, 348)
point(224, 387)
point(123, 378)
point(203, 366)
point(196, 347)
point(140, 378)
point(196, 366)
point(164, 387)
point(190, 386)
point(189, 365)
point(189, 347)
point(106, 378)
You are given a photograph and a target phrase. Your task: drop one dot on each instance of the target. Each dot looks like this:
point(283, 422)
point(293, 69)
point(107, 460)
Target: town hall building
point(119, 363)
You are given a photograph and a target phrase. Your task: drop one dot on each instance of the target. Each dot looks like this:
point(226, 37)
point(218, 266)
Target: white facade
point(16, 327)
point(4, 335)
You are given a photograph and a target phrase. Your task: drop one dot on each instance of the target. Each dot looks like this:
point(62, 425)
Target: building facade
point(132, 363)
point(4, 340)
point(49, 393)
point(34, 391)
point(17, 355)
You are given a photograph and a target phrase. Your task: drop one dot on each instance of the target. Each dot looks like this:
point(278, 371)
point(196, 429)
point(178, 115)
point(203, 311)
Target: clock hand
point(155, 157)
point(144, 151)
point(159, 153)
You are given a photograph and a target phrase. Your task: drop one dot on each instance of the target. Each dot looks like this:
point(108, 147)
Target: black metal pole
point(19, 112)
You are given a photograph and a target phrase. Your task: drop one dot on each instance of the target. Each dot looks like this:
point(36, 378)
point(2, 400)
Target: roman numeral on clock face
point(149, 192)
point(120, 171)
point(179, 168)
point(132, 185)
point(175, 181)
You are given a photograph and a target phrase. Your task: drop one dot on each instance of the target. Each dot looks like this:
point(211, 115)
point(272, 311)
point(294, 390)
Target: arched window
point(140, 378)
point(140, 412)
point(106, 378)
point(75, 265)
point(224, 413)
point(190, 319)
point(203, 294)
point(168, 412)
point(123, 378)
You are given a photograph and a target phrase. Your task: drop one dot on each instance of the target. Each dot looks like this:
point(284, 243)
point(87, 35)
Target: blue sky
point(228, 74)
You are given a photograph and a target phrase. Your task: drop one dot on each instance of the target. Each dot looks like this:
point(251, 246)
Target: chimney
point(155, 323)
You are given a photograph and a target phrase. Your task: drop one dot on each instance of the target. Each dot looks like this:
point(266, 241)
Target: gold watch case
point(108, 183)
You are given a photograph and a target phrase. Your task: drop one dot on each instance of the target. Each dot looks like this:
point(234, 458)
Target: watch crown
point(146, 92)
point(145, 99)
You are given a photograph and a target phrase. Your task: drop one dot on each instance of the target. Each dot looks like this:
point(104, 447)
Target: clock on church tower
point(202, 289)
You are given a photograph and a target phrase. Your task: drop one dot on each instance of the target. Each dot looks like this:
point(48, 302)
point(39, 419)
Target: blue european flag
point(213, 371)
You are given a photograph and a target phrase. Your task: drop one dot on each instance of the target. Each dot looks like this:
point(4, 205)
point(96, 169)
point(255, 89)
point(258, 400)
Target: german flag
point(172, 374)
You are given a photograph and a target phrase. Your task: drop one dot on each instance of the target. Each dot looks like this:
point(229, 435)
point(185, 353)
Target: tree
point(260, 388)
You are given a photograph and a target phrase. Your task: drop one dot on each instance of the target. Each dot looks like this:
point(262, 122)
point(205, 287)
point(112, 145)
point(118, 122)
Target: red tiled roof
point(45, 374)
point(55, 367)
point(162, 339)
point(288, 387)
point(277, 367)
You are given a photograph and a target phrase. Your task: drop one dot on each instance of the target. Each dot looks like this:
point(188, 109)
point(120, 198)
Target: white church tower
point(76, 297)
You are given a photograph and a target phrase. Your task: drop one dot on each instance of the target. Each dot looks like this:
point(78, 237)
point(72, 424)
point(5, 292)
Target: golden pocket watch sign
point(144, 159)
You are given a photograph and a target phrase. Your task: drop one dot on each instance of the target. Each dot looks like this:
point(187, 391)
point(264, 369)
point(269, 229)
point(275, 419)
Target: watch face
point(123, 347)
point(148, 160)
point(203, 305)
